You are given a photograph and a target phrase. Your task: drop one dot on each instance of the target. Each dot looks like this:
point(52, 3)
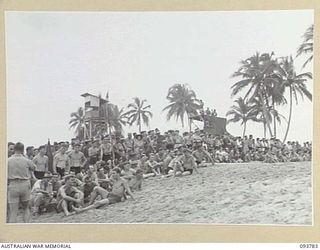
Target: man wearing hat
point(129, 143)
point(69, 196)
point(41, 194)
point(19, 174)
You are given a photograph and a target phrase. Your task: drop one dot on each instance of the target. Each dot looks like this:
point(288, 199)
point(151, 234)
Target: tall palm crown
point(183, 101)
point(255, 71)
point(138, 112)
point(295, 83)
point(77, 122)
point(242, 112)
point(307, 45)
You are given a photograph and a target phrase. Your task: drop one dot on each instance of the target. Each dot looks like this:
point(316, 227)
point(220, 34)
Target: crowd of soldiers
point(81, 175)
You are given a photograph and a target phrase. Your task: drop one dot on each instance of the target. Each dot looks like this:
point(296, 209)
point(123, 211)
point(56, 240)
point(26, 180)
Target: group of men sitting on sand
point(92, 173)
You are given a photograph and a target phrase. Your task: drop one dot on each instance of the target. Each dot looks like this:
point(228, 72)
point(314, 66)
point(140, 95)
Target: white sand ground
point(248, 193)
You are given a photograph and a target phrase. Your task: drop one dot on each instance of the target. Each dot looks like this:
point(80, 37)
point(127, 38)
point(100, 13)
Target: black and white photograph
point(189, 117)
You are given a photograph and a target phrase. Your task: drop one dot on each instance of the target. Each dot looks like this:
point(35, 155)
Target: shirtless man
point(68, 196)
point(119, 187)
point(106, 149)
point(201, 154)
point(77, 159)
point(61, 161)
point(189, 163)
point(41, 162)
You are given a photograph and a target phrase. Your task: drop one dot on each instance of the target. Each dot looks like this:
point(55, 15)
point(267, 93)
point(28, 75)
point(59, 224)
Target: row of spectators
point(81, 175)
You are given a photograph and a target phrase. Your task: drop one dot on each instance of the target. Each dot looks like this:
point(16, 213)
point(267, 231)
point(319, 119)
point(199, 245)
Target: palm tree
point(113, 117)
point(117, 118)
point(295, 83)
point(182, 101)
point(242, 112)
point(275, 90)
point(307, 45)
point(138, 113)
point(254, 71)
point(78, 123)
point(272, 114)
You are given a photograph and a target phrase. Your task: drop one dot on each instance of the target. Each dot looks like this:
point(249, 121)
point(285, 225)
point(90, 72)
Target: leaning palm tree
point(78, 123)
point(242, 112)
point(254, 71)
point(183, 101)
point(138, 113)
point(295, 83)
point(307, 45)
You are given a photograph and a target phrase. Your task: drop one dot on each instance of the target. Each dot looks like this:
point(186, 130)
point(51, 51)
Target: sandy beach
point(247, 193)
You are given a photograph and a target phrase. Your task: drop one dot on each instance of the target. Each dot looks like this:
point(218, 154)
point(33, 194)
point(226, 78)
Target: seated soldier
point(101, 174)
point(189, 163)
point(134, 163)
point(167, 159)
point(270, 157)
point(218, 156)
point(127, 173)
point(153, 165)
point(87, 188)
point(142, 163)
point(56, 184)
point(92, 173)
point(69, 196)
point(202, 156)
point(119, 187)
point(177, 164)
point(136, 182)
point(41, 194)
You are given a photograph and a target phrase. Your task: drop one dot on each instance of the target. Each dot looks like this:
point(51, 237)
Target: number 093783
point(309, 245)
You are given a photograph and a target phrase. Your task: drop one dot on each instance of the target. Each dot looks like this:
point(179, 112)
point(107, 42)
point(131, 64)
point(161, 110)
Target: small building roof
point(88, 94)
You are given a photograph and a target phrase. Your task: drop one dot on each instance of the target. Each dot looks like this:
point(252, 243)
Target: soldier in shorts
point(19, 186)
point(119, 187)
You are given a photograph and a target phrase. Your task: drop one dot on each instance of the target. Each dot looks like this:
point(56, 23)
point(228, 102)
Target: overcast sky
point(52, 58)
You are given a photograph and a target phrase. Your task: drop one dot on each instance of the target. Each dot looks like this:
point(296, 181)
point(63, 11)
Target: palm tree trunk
point(264, 130)
point(289, 120)
point(264, 111)
point(139, 125)
point(244, 129)
point(189, 122)
point(274, 120)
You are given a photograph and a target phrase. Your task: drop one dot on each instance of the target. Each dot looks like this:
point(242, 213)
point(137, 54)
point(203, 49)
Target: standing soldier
point(77, 159)
point(19, 186)
point(61, 161)
point(41, 162)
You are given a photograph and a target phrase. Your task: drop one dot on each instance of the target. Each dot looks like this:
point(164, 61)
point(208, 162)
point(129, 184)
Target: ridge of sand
point(246, 193)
